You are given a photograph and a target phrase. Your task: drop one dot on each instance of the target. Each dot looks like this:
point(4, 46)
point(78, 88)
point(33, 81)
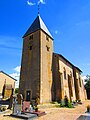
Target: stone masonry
point(46, 75)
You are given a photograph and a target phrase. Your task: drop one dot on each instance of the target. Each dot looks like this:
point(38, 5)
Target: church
point(44, 74)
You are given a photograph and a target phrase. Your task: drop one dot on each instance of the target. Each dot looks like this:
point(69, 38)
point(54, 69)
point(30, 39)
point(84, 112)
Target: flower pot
point(36, 110)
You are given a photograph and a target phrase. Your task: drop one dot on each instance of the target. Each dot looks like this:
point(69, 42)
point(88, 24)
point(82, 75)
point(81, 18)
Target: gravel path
point(65, 113)
point(56, 113)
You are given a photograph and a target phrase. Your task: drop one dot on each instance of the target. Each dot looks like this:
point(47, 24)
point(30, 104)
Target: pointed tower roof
point(36, 25)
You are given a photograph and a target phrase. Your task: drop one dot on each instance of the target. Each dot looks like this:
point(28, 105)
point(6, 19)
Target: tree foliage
point(87, 80)
point(16, 90)
point(87, 86)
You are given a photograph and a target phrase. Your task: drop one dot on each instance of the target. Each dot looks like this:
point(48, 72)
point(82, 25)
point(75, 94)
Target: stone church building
point(44, 74)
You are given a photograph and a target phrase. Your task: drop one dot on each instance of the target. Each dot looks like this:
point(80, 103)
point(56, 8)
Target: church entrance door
point(28, 95)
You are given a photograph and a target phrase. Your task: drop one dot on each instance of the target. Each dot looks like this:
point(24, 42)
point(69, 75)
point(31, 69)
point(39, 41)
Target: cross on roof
point(38, 8)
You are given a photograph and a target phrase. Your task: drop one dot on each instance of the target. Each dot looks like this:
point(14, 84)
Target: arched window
point(31, 37)
point(70, 73)
point(71, 78)
point(80, 81)
point(64, 73)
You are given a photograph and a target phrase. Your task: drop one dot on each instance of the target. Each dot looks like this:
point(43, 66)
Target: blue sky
point(67, 20)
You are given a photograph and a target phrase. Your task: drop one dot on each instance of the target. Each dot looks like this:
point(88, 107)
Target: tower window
point(47, 48)
point(47, 38)
point(31, 37)
point(30, 47)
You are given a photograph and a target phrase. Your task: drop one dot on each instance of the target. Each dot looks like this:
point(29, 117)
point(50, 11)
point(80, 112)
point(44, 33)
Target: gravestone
point(11, 102)
point(17, 109)
point(17, 104)
point(26, 106)
point(19, 98)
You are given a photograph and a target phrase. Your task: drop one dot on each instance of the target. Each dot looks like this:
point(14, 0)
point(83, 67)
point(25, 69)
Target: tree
point(16, 90)
point(87, 86)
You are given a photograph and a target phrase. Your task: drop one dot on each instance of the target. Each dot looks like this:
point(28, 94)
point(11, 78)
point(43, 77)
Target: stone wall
point(30, 66)
point(63, 85)
point(79, 86)
point(36, 66)
point(46, 50)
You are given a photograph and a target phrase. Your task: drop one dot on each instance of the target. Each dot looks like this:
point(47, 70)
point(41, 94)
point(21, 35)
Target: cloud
point(83, 23)
point(17, 69)
point(16, 75)
point(41, 1)
point(56, 31)
point(88, 64)
point(9, 47)
point(17, 84)
point(10, 40)
point(84, 78)
point(30, 3)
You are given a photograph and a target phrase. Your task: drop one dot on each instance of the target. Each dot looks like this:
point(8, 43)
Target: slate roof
point(36, 25)
point(68, 61)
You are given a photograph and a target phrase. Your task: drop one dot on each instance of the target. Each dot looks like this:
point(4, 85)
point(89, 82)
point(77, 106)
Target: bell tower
point(36, 64)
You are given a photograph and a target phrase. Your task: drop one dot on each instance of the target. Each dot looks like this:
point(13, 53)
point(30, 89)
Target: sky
point(67, 20)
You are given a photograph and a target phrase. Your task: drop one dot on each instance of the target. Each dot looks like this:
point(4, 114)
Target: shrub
point(88, 106)
point(16, 90)
point(62, 104)
point(0, 108)
point(36, 109)
point(70, 105)
point(3, 109)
